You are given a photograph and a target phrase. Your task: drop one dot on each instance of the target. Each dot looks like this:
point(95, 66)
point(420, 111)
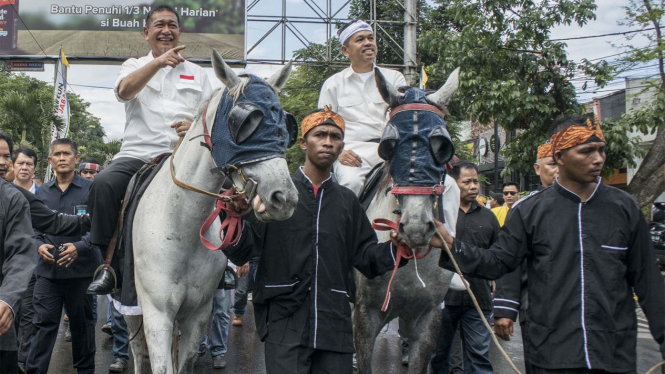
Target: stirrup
point(115, 278)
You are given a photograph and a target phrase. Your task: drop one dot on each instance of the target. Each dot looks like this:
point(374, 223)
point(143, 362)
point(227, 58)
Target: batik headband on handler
point(353, 28)
point(544, 150)
point(323, 116)
point(576, 135)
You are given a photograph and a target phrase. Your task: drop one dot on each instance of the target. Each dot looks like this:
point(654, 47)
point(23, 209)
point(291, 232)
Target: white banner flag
point(60, 104)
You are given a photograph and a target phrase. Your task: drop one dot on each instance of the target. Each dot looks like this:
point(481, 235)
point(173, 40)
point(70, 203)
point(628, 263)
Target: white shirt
point(359, 102)
point(32, 188)
point(173, 94)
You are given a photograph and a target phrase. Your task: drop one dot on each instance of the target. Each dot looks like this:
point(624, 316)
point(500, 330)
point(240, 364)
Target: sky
point(112, 115)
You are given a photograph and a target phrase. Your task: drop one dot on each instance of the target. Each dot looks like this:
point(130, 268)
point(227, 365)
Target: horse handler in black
point(587, 248)
point(300, 297)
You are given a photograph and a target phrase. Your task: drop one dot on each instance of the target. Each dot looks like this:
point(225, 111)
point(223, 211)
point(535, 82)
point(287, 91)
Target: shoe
point(104, 283)
point(405, 359)
point(237, 321)
point(68, 335)
point(354, 363)
point(250, 297)
point(218, 362)
point(65, 318)
point(118, 366)
point(21, 368)
point(107, 329)
point(200, 353)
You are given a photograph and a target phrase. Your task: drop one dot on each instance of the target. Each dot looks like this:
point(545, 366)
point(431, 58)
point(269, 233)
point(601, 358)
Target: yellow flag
point(423, 78)
point(63, 58)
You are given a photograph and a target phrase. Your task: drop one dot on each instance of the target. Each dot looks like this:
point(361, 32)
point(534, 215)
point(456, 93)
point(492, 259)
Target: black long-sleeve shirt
point(584, 259)
point(312, 253)
point(53, 222)
point(478, 227)
point(17, 253)
point(89, 256)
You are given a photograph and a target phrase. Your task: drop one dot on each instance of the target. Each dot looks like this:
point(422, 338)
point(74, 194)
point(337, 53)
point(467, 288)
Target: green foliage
point(511, 71)
point(26, 114)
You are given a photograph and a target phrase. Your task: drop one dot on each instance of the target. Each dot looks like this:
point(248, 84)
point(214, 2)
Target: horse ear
point(278, 80)
point(441, 145)
point(442, 97)
point(243, 121)
point(223, 71)
point(388, 142)
point(291, 128)
point(388, 92)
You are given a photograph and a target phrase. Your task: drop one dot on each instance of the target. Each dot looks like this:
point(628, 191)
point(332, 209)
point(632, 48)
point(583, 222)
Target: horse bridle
point(234, 202)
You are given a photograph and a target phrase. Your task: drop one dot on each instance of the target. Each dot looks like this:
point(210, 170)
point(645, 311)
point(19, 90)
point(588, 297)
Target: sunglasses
point(511, 193)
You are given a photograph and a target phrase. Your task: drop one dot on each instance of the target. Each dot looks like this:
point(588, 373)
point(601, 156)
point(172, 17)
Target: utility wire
point(604, 35)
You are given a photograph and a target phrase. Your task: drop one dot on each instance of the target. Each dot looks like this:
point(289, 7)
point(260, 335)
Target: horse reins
point(403, 250)
point(234, 202)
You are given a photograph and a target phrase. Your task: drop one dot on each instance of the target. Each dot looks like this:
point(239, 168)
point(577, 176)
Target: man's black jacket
point(17, 253)
point(584, 260)
point(478, 227)
point(313, 253)
point(53, 222)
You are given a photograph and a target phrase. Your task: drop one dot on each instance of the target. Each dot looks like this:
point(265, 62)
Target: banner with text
point(113, 29)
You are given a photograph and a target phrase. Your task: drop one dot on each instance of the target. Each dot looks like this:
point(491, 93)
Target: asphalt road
point(245, 352)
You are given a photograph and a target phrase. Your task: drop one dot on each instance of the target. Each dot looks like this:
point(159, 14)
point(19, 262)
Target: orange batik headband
point(325, 116)
point(544, 150)
point(575, 135)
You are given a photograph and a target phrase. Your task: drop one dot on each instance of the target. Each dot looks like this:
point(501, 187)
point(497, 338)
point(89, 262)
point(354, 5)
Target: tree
point(512, 71)
point(26, 113)
point(648, 182)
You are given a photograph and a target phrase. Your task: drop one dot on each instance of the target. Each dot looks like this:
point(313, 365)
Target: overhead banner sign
point(113, 29)
point(26, 65)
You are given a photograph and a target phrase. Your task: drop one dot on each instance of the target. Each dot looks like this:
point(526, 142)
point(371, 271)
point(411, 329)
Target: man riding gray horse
point(161, 92)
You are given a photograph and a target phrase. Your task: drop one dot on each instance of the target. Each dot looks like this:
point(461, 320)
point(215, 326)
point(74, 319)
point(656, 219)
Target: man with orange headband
point(588, 248)
point(300, 295)
point(510, 297)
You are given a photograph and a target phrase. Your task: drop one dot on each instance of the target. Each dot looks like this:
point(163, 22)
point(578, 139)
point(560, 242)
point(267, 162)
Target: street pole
point(410, 25)
point(496, 157)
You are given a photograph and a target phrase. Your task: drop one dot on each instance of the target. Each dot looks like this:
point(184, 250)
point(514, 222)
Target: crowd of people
point(582, 247)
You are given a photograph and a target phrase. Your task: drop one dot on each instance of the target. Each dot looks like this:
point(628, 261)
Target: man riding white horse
point(353, 94)
point(161, 92)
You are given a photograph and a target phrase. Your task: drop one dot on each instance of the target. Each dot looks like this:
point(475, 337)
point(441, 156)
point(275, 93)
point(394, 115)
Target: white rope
point(415, 260)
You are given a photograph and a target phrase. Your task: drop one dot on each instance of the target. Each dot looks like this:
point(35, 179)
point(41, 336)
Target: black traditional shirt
point(89, 257)
point(478, 227)
point(312, 254)
point(584, 260)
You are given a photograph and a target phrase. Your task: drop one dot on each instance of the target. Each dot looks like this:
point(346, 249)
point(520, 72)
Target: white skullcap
point(353, 28)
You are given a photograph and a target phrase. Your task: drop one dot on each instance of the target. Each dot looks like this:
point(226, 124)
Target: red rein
point(233, 223)
point(403, 251)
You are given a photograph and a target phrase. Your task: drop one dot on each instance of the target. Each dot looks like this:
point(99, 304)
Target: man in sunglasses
point(511, 193)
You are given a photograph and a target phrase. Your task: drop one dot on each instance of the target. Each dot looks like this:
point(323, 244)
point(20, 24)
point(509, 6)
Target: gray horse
point(418, 288)
point(175, 274)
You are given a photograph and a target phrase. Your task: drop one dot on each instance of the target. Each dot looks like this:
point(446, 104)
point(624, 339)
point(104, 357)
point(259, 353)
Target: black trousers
point(8, 362)
point(49, 297)
point(105, 198)
point(530, 369)
point(24, 327)
point(296, 359)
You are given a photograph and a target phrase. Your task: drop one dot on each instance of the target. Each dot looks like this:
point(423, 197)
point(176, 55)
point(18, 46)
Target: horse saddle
point(372, 181)
point(122, 238)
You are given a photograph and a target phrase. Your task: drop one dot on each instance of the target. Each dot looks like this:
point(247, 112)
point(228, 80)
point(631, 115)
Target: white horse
point(418, 305)
point(175, 274)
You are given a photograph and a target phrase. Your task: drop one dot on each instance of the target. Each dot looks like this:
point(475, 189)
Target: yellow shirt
point(501, 213)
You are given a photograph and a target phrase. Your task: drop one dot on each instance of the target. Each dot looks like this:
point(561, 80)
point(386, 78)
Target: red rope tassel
point(403, 251)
